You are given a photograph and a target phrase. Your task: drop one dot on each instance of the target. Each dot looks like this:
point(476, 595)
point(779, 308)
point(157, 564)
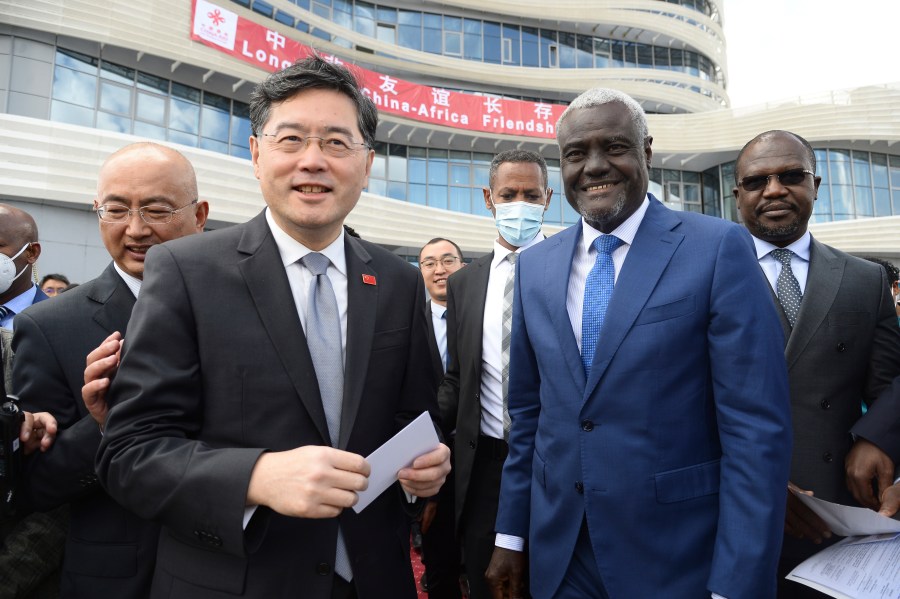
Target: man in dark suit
point(842, 341)
point(20, 248)
point(472, 393)
point(264, 361)
point(650, 438)
point(146, 194)
point(438, 259)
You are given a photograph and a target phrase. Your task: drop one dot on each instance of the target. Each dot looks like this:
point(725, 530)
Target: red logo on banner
point(216, 17)
point(271, 51)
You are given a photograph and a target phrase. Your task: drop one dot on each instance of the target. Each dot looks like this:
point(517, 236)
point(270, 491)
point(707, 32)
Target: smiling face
point(777, 213)
point(605, 164)
point(436, 277)
point(309, 193)
point(147, 175)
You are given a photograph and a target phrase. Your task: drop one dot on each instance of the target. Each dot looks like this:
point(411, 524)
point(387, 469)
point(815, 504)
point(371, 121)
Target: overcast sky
point(779, 49)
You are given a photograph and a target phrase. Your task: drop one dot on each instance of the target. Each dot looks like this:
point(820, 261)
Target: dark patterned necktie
point(786, 287)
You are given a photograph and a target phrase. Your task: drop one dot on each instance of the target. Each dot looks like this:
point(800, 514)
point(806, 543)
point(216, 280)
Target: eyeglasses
point(792, 177)
point(335, 146)
point(155, 214)
point(447, 261)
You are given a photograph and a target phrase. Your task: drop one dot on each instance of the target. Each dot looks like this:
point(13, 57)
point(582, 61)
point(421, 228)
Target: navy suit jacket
point(676, 449)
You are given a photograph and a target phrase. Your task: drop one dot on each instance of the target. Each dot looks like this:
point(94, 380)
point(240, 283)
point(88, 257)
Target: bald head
point(16, 226)
point(154, 156)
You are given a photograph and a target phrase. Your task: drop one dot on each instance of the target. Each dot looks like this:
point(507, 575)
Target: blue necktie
point(323, 336)
point(4, 312)
point(598, 288)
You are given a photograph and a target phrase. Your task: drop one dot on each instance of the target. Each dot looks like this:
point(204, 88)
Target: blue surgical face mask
point(518, 222)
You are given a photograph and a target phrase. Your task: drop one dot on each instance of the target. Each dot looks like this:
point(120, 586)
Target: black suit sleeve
point(66, 471)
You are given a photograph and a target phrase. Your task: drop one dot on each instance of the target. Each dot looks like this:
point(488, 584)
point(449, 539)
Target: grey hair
point(598, 96)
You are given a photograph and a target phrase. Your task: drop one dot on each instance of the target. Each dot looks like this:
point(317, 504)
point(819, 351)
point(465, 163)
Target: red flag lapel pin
point(369, 279)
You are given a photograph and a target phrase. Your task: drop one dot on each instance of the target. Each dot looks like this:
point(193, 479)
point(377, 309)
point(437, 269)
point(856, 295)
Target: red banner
point(253, 43)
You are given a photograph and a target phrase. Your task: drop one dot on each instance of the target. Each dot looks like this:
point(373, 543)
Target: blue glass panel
point(214, 123)
point(379, 167)
point(263, 8)
point(530, 55)
point(880, 171)
point(511, 40)
point(839, 170)
point(240, 131)
point(585, 52)
point(151, 108)
point(417, 170)
point(842, 202)
point(895, 171)
point(149, 131)
point(301, 26)
point(152, 83)
point(242, 2)
point(459, 200)
point(432, 21)
point(182, 138)
point(64, 112)
point(570, 217)
point(410, 36)
point(214, 145)
point(822, 205)
point(477, 195)
point(437, 196)
point(304, 4)
point(418, 194)
point(437, 171)
point(452, 43)
point(452, 23)
point(77, 61)
point(480, 175)
point(240, 152)
point(378, 187)
point(459, 174)
point(410, 17)
point(118, 73)
point(397, 190)
point(74, 87)
point(321, 34)
point(567, 50)
point(387, 15)
point(861, 175)
point(115, 98)
point(283, 17)
point(863, 201)
point(432, 41)
point(473, 46)
point(882, 202)
point(184, 116)
point(112, 122)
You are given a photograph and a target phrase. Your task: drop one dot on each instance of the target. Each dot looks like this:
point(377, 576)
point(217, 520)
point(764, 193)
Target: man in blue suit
point(650, 442)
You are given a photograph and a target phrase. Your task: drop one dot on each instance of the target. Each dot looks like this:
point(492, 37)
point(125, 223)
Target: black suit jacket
point(109, 551)
point(216, 371)
point(437, 363)
point(459, 395)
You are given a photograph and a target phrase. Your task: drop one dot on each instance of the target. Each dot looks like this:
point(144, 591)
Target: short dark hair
point(313, 72)
point(54, 277)
point(892, 272)
point(440, 239)
point(811, 154)
point(518, 156)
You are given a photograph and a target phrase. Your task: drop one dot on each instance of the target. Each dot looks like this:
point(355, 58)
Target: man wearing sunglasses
point(146, 195)
point(842, 342)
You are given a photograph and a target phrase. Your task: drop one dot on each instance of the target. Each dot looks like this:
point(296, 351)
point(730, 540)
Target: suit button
point(472, 444)
point(579, 487)
point(825, 404)
point(828, 457)
point(323, 569)
point(841, 347)
point(587, 426)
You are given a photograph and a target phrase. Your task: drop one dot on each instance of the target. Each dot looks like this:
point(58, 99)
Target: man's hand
point(38, 432)
point(864, 463)
point(507, 574)
point(308, 482)
point(101, 367)
point(890, 501)
point(801, 522)
point(427, 473)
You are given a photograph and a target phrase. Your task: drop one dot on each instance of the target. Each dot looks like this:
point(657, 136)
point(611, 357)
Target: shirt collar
point(799, 247)
point(437, 309)
point(23, 300)
point(133, 283)
point(501, 252)
point(626, 231)
point(292, 250)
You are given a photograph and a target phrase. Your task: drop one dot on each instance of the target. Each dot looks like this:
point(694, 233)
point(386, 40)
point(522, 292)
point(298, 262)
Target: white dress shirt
point(772, 267)
point(133, 283)
point(439, 324)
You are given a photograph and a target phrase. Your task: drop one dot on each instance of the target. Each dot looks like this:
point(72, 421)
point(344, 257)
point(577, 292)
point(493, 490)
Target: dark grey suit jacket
point(109, 551)
point(459, 395)
point(216, 371)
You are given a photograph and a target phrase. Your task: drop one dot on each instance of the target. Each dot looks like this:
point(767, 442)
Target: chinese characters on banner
point(253, 43)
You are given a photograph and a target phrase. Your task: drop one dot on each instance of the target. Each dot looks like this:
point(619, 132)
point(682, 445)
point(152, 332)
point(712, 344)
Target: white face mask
point(8, 272)
point(518, 222)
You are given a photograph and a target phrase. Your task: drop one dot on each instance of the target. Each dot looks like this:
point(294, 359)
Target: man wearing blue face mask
point(19, 250)
point(479, 312)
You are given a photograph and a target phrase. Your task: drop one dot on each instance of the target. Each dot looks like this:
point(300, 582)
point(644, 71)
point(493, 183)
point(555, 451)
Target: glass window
point(378, 187)
point(112, 122)
point(418, 193)
point(151, 107)
point(432, 21)
point(240, 125)
point(473, 46)
point(861, 175)
point(452, 23)
point(549, 56)
point(64, 112)
point(184, 139)
point(511, 44)
point(452, 43)
point(864, 203)
point(115, 72)
point(184, 116)
point(387, 34)
point(397, 163)
point(115, 98)
point(645, 56)
point(77, 61)
point(149, 131)
point(152, 83)
point(822, 205)
point(567, 50)
point(387, 14)
point(214, 145)
point(530, 54)
point(895, 171)
point(410, 17)
point(396, 190)
point(459, 174)
point(262, 8)
point(585, 52)
point(411, 36)
point(882, 202)
point(480, 175)
point(839, 169)
point(459, 200)
point(364, 18)
point(842, 201)
point(240, 152)
point(661, 57)
point(284, 18)
point(492, 42)
point(880, 171)
point(417, 169)
point(75, 87)
point(437, 171)
point(437, 196)
point(214, 117)
point(433, 36)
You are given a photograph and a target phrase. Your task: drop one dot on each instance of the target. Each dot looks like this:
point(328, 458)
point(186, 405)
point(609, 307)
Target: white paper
point(854, 569)
point(846, 521)
point(417, 438)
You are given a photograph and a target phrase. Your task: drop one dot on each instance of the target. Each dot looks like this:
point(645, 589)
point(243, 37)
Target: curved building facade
point(455, 83)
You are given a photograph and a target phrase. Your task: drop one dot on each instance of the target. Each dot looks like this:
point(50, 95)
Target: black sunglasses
point(792, 177)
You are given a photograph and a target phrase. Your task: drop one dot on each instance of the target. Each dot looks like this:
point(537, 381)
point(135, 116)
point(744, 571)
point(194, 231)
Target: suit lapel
point(271, 294)
point(557, 285)
point(473, 308)
point(822, 283)
point(115, 301)
point(362, 307)
point(648, 257)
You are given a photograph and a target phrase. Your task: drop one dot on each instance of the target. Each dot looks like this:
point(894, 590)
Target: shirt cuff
point(510, 542)
point(716, 596)
point(248, 513)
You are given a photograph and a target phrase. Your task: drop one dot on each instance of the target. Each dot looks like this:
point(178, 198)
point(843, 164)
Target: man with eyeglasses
point(473, 395)
point(438, 259)
point(54, 284)
point(842, 343)
point(265, 361)
point(146, 195)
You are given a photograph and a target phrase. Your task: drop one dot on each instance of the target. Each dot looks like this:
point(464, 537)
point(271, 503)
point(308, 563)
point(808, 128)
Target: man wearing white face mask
point(472, 396)
point(19, 250)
